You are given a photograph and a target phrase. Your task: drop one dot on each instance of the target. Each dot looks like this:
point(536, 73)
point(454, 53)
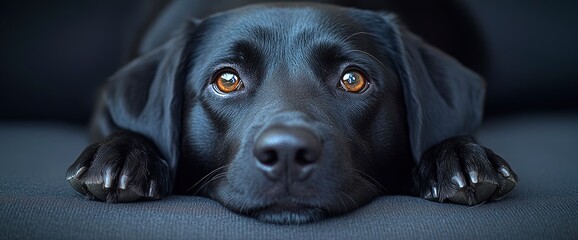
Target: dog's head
point(290, 113)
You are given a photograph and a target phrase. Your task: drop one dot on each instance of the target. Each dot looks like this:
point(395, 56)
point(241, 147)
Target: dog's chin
point(288, 213)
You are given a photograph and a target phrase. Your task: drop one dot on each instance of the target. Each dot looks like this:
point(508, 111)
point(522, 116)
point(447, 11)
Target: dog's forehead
point(285, 16)
point(296, 41)
point(289, 22)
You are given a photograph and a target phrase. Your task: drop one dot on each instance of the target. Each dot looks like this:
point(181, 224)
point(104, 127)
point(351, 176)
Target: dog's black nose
point(287, 153)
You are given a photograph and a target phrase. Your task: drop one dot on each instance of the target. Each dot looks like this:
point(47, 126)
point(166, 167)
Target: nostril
point(306, 156)
point(268, 157)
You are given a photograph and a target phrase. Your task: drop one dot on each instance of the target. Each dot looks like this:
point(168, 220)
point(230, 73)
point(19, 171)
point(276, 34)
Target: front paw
point(460, 171)
point(124, 167)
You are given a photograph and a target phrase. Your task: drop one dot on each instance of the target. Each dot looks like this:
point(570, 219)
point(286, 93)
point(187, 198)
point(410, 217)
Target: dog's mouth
point(288, 213)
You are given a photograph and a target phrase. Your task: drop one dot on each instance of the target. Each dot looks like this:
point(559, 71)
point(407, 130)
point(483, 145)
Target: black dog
point(291, 113)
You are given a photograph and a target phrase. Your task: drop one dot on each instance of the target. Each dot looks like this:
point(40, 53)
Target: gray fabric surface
point(36, 202)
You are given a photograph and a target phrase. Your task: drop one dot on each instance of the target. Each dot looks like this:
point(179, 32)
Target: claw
point(108, 178)
point(152, 189)
point(507, 184)
point(434, 192)
point(123, 182)
point(504, 171)
point(78, 173)
point(75, 183)
point(458, 181)
point(473, 177)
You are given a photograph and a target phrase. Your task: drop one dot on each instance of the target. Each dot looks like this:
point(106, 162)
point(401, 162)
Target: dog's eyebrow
point(244, 46)
point(244, 51)
point(326, 57)
point(240, 53)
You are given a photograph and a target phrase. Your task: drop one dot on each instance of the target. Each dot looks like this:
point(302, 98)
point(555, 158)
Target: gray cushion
point(36, 201)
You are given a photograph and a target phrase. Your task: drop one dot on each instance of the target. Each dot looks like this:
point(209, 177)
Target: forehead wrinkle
point(286, 38)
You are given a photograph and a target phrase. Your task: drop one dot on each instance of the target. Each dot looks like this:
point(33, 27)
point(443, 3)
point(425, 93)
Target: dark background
point(55, 54)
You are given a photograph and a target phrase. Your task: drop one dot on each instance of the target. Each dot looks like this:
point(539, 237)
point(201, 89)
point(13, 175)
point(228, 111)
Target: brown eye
point(228, 81)
point(353, 81)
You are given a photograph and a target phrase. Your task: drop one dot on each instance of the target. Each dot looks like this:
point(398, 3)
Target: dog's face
point(288, 113)
point(293, 113)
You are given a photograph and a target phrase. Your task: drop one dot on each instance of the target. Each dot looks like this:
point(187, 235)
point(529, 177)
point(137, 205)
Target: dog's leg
point(123, 167)
point(461, 171)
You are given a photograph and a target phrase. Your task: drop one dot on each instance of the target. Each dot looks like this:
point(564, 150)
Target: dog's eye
point(353, 81)
point(228, 81)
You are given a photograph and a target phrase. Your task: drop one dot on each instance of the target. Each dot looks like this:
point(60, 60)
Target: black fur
point(291, 145)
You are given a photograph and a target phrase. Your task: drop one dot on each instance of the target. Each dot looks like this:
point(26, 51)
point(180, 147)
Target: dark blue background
point(55, 54)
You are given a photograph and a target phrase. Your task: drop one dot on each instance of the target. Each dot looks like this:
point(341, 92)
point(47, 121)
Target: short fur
point(162, 128)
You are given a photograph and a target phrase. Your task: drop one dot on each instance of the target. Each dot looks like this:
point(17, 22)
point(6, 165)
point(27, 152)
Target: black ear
point(443, 98)
point(145, 97)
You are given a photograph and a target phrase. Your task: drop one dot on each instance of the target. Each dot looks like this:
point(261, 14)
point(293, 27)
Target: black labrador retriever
point(291, 113)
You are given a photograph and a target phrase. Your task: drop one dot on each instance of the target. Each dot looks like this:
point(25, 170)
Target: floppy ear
point(443, 98)
point(145, 97)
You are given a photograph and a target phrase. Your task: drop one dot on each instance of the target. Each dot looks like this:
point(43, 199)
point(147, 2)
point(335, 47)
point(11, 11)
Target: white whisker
point(214, 178)
point(359, 33)
point(371, 56)
point(371, 181)
point(351, 199)
point(206, 176)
